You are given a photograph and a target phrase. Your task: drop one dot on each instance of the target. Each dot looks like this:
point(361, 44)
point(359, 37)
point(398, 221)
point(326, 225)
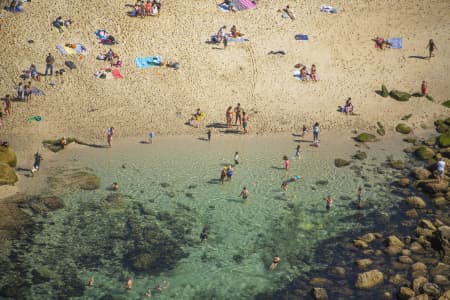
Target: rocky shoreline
point(410, 258)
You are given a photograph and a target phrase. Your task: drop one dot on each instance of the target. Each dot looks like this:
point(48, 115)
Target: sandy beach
point(162, 99)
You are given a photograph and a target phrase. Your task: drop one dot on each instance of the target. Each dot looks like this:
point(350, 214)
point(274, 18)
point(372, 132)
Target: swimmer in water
point(91, 282)
point(329, 202)
point(275, 262)
point(360, 197)
point(148, 293)
point(129, 283)
point(245, 193)
point(114, 186)
point(285, 184)
point(204, 235)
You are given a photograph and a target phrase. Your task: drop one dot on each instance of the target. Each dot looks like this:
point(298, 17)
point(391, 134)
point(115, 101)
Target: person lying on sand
point(289, 12)
point(381, 43)
point(282, 52)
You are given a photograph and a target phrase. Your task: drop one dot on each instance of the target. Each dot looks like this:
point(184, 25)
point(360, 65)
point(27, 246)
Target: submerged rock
point(364, 263)
point(319, 293)
point(397, 164)
point(415, 202)
point(444, 140)
point(433, 187)
point(365, 137)
point(405, 293)
point(403, 128)
point(7, 175)
point(78, 179)
point(339, 162)
point(369, 279)
point(424, 153)
point(421, 173)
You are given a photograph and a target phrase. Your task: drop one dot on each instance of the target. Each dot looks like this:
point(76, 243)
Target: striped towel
point(244, 4)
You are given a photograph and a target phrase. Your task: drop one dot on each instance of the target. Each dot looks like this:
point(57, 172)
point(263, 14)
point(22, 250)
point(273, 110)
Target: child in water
point(286, 162)
point(275, 262)
point(244, 193)
point(236, 158)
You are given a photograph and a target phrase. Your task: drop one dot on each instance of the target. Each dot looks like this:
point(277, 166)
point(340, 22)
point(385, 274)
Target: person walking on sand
point(431, 47)
point(329, 202)
point(297, 152)
point(360, 198)
point(49, 61)
point(109, 135)
point(440, 166)
point(286, 162)
point(244, 193)
point(423, 88)
point(316, 130)
point(8, 105)
point(37, 162)
point(209, 135)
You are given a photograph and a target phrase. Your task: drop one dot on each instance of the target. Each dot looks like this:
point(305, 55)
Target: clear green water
point(86, 239)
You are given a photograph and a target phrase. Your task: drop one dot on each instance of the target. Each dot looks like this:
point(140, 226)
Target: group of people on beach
point(240, 117)
point(307, 74)
point(223, 36)
point(146, 8)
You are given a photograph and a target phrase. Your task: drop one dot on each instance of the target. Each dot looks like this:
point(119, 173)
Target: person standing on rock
point(109, 135)
point(440, 169)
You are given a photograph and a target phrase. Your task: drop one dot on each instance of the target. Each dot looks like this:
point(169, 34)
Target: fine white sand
point(161, 99)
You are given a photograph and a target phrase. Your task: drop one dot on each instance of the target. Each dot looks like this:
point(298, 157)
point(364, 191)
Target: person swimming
point(114, 186)
point(204, 235)
point(275, 262)
point(91, 282)
point(244, 193)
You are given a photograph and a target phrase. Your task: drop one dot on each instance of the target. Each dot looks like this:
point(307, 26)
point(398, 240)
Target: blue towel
point(61, 50)
point(147, 62)
point(223, 7)
point(397, 43)
point(301, 37)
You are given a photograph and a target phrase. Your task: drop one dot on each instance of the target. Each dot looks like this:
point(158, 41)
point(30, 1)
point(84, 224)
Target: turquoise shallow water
point(179, 176)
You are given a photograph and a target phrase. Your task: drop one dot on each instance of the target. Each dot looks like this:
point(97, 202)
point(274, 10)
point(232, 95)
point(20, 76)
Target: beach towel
point(397, 43)
point(101, 34)
point(328, 9)
point(243, 4)
point(35, 118)
point(147, 62)
point(80, 49)
point(61, 50)
point(223, 7)
point(296, 74)
point(302, 37)
point(240, 39)
point(37, 92)
point(111, 73)
point(70, 64)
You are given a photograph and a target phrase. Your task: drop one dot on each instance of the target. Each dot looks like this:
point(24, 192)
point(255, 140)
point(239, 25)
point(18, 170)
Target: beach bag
point(70, 64)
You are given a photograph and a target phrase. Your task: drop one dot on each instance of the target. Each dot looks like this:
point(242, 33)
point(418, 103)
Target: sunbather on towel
point(381, 42)
point(58, 24)
point(230, 5)
point(287, 10)
point(117, 64)
point(235, 33)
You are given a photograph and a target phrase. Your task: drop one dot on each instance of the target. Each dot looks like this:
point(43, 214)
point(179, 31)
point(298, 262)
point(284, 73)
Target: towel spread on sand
point(296, 74)
point(109, 73)
point(101, 34)
point(328, 9)
point(79, 49)
point(147, 62)
point(240, 39)
point(397, 43)
point(37, 92)
point(302, 37)
point(223, 7)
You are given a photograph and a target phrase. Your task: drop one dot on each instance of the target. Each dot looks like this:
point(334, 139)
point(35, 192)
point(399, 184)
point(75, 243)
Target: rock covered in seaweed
point(7, 175)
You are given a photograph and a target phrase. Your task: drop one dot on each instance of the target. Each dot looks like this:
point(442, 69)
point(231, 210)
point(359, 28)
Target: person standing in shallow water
point(209, 135)
point(244, 193)
point(329, 202)
point(236, 158)
point(360, 198)
point(204, 235)
point(109, 135)
point(286, 162)
point(316, 131)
